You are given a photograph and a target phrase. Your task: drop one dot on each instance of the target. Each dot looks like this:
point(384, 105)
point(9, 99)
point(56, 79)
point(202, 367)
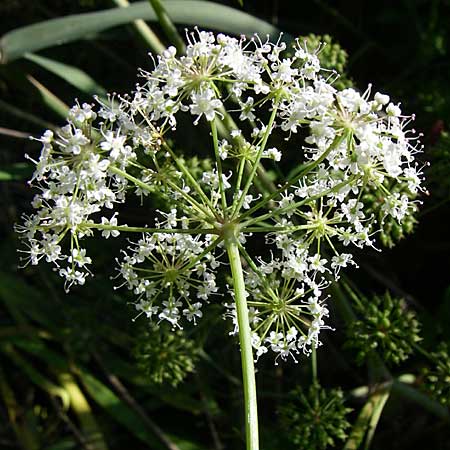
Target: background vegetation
point(77, 372)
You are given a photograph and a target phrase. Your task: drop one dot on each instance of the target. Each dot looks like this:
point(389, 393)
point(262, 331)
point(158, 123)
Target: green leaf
point(16, 43)
point(118, 410)
point(22, 299)
point(376, 415)
point(368, 418)
point(146, 33)
point(35, 376)
point(38, 348)
point(81, 407)
point(49, 98)
point(74, 76)
point(25, 436)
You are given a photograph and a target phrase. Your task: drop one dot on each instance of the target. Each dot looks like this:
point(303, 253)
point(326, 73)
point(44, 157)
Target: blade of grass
point(376, 414)
point(174, 397)
point(367, 419)
point(16, 171)
point(72, 75)
point(117, 409)
point(167, 25)
point(35, 376)
point(14, 133)
point(126, 397)
point(146, 33)
point(410, 393)
point(24, 435)
point(49, 99)
point(25, 301)
point(124, 415)
point(72, 428)
point(15, 44)
point(79, 404)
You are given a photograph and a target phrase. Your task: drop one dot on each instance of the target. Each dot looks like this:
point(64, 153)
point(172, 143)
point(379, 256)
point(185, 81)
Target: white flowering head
point(256, 103)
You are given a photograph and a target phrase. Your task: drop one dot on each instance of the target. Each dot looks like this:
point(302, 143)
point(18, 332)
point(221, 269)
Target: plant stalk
point(248, 368)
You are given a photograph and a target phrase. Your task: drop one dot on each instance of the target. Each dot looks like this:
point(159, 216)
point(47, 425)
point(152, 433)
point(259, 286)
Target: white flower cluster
point(170, 273)
point(75, 184)
point(353, 143)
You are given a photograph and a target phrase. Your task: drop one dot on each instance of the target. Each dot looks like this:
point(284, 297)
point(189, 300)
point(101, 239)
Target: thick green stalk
point(248, 368)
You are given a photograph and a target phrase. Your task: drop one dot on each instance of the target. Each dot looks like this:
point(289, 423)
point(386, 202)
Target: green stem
point(314, 366)
point(262, 146)
point(219, 165)
point(190, 178)
point(168, 26)
point(289, 183)
point(293, 206)
point(146, 33)
point(128, 229)
point(410, 393)
point(248, 368)
point(148, 188)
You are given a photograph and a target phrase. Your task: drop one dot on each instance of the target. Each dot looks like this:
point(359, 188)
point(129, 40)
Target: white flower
point(106, 233)
point(393, 110)
point(193, 312)
point(273, 153)
point(204, 103)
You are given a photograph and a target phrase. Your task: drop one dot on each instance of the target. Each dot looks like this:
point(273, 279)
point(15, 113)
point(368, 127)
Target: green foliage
point(385, 325)
point(39, 36)
point(315, 418)
point(437, 377)
point(166, 356)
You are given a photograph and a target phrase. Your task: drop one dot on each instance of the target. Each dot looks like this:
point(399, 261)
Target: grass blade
point(35, 376)
point(15, 44)
point(72, 75)
point(168, 26)
point(79, 404)
point(16, 171)
point(146, 33)
point(118, 410)
point(368, 419)
point(375, 418)
point(25, 436)
point(26, 116)
point(49, 98)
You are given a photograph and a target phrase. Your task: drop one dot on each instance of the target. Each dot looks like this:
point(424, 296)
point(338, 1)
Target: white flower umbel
point(309, 221)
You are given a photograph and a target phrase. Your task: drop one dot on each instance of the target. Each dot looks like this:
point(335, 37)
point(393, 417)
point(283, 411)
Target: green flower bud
point(165, 356)
point(437, 378)
point(385, 324)
point(316, 418)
